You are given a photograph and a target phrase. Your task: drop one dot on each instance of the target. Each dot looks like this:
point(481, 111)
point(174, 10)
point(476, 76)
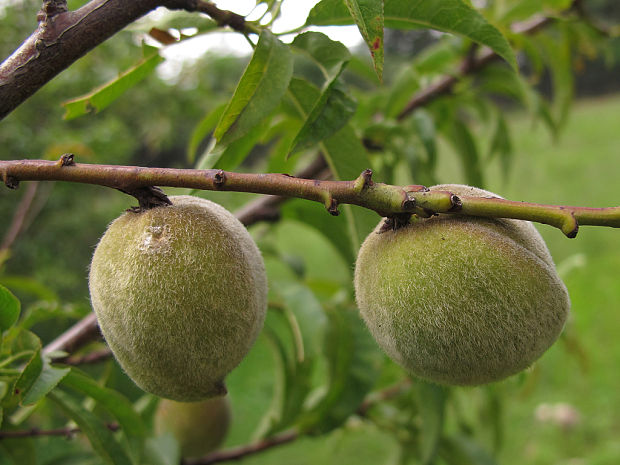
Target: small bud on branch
point(387, 200)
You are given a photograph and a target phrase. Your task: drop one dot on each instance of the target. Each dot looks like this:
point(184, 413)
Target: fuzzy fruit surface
point(199, 427)
point(461, 300)
point(180, 293)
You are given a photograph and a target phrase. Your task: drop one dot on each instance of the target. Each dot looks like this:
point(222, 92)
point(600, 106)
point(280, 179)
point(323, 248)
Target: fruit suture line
point(387, 200)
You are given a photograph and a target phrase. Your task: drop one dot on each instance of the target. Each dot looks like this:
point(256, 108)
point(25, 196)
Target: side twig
point(35, 432)
point(63, 36)
point(470, 65)
point(243, 451)
point(19, 217)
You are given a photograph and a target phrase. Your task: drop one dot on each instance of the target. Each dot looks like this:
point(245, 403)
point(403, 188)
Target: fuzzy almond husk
point(180, 293)
point(461, 300)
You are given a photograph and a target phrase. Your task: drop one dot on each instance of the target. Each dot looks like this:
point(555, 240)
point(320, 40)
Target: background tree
point(440, 114)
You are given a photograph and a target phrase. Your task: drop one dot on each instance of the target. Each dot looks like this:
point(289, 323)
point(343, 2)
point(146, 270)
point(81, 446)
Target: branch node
point(66, 159)
point(409, 202)
point(148, 197)
point(219, 179)
point(392, 223)
point(570, 226)
point(457, 203)
point(11, 181)
point(332, 206)
point(50, 9)
point(363, 181)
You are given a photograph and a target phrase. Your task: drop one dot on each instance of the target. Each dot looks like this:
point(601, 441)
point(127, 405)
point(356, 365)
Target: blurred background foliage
point(520, 135)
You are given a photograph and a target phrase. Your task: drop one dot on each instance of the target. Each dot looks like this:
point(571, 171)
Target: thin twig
point(89, 358)
point(243, 451)
point(78, 335)
point(387, 200)
point(35, 432)
point(19, 216)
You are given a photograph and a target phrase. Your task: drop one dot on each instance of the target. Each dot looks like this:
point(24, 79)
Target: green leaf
point(114, 402)
point(37, 379)
point(354, 364)
point(461, 137)
point(29, 285)
point(501, 144)
point(259, 91)
point(308, 313)
point(558, 53)
point(204, 127)
point(29, 374)
point(460, 450)
point(229, 157)
point(431, 403)
point(293, 372)
point(329, 55)
point(9, 309)
point(330, 113)
point(334, 107)
point(407, 82)
point(103, 96)
point(438, 57)
point(454, 16)
point(368, 15)
point(47, 380)
point(425, 128)
point(100, 437)
point(524, 9)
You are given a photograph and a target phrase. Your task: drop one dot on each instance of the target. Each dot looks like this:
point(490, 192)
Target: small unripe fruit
point(199, 427)
point(461, 300)
point(180, 293)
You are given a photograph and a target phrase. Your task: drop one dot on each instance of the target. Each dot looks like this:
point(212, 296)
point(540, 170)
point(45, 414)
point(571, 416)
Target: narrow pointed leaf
point(329, 55)
point(114, 402)
point(100, 98)
point(9, 309)
point(431, 401)
point(293, 380)
point(331, 112)
point(334, 107)
point(368, 15)
point(47, 380)
point(259, 91)
point(461, 450)
point(204, 127)
point(100, 437)
point(453, 16)
point(229, 157)
point(465, 144)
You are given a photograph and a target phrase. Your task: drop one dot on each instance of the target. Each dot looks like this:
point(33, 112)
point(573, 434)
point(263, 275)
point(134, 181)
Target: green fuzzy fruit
point(180, 293)
point(461, 300)
point(199, 427)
